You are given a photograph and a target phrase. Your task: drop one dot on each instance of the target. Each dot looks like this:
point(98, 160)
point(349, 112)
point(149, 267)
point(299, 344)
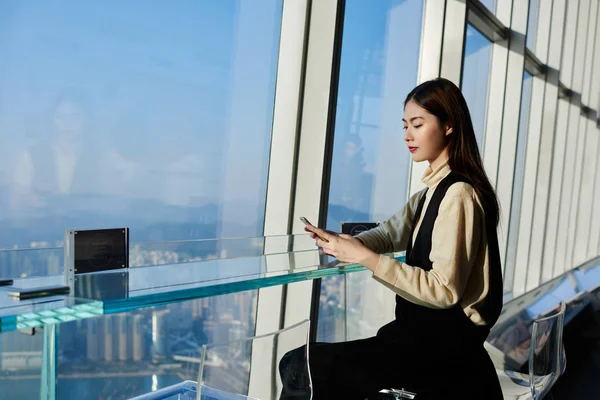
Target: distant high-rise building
point(138, 337)
point(92, 341)
point(108, 337)
point(159, 333)
point(123, 322)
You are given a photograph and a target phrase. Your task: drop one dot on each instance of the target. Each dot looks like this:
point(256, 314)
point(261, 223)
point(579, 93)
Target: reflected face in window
point(425, 137)
point(68, 119)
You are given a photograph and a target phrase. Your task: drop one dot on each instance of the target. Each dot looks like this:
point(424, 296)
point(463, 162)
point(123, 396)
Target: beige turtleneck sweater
point(459, 250)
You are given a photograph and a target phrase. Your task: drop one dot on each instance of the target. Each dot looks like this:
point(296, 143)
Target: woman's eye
point(405, 127)
point(418, 126)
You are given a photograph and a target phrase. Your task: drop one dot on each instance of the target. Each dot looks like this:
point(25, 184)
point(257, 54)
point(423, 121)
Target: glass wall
point(122, 114)
point(515, 205)
point(490, 4)
point(370, 167)
point(129, 354)
point(475, 79)
point(532, 24)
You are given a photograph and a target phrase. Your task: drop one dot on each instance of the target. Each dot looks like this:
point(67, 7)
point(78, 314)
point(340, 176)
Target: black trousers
point(360, 369)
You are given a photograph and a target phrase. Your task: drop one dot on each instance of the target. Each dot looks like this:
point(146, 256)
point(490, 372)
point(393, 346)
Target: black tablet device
point(42, 291)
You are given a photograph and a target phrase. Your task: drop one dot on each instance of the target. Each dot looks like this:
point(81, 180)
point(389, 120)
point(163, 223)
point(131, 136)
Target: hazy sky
point(172, 102)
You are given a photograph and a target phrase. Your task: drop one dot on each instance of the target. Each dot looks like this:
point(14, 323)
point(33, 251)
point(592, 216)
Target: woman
point(449, 290)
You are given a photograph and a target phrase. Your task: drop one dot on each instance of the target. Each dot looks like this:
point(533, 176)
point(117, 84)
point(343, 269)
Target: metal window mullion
point(549, 101)
point(588, 178)
point(576, 87)
point(585, 208)
point(556, 114)
point(430, 60)
point(556, 187)
point(589, 53)
point(510, 127)
point(594, 242)
point(484, 20)
point(454, 40)
point(529, 187)
point(576, 193)
point(580, 46)
point(594, 99)
point(545, 22)
point(568, 47)
point(594, 102)
point(565, 199)
point(497, 90)
point(571, 122)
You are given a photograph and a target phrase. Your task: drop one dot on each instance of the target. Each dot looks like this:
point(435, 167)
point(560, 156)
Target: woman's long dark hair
point(444, 99)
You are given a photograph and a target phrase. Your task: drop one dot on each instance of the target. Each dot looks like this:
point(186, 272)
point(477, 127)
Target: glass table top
point(122, 290)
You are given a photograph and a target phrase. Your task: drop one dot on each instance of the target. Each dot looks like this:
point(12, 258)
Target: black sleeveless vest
point(452, 323)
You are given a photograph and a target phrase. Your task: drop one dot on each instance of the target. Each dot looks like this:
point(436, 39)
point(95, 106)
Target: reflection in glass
point(532, 24)
point(370, 167)
point(121, 114)
point(129, 354)
point(490, 4)
point(21, 363)
point(515, 208)
point(475, 79)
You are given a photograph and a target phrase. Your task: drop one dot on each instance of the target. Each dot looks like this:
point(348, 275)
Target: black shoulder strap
point(423, 239)
point(493, 306)
point(414, 225)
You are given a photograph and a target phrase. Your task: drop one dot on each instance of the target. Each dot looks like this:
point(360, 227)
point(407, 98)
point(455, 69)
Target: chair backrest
point(250, 368)
point(547, 360)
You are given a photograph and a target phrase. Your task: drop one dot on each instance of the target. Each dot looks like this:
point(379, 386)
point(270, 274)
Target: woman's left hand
point(345, 248)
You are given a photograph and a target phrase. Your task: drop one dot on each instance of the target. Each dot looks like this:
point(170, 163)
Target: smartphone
point(307, 222)
point(44, 291)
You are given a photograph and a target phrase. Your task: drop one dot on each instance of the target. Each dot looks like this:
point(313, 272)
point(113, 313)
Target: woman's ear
point(449, 130)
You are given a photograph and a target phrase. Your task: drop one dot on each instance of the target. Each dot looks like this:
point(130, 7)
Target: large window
point(121, 114)
point(475, 79)
point(490, 4)
point(515, 205)
point(370, 168)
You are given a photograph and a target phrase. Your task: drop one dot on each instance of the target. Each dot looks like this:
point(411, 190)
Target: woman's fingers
point(323, 234)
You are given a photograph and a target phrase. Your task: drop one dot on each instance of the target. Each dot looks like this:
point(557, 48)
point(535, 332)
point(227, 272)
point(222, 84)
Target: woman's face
point(68, 119)
point(425, 137)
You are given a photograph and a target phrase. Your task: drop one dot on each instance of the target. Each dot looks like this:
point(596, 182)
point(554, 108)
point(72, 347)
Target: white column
point(431, 43)
point(454, 39)
point(282, 168)
point(448, 29)
point(308, 193)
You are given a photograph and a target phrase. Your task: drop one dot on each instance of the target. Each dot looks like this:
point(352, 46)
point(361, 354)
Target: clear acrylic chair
point(547, 360)
point(248, 368)
point(252, 368)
